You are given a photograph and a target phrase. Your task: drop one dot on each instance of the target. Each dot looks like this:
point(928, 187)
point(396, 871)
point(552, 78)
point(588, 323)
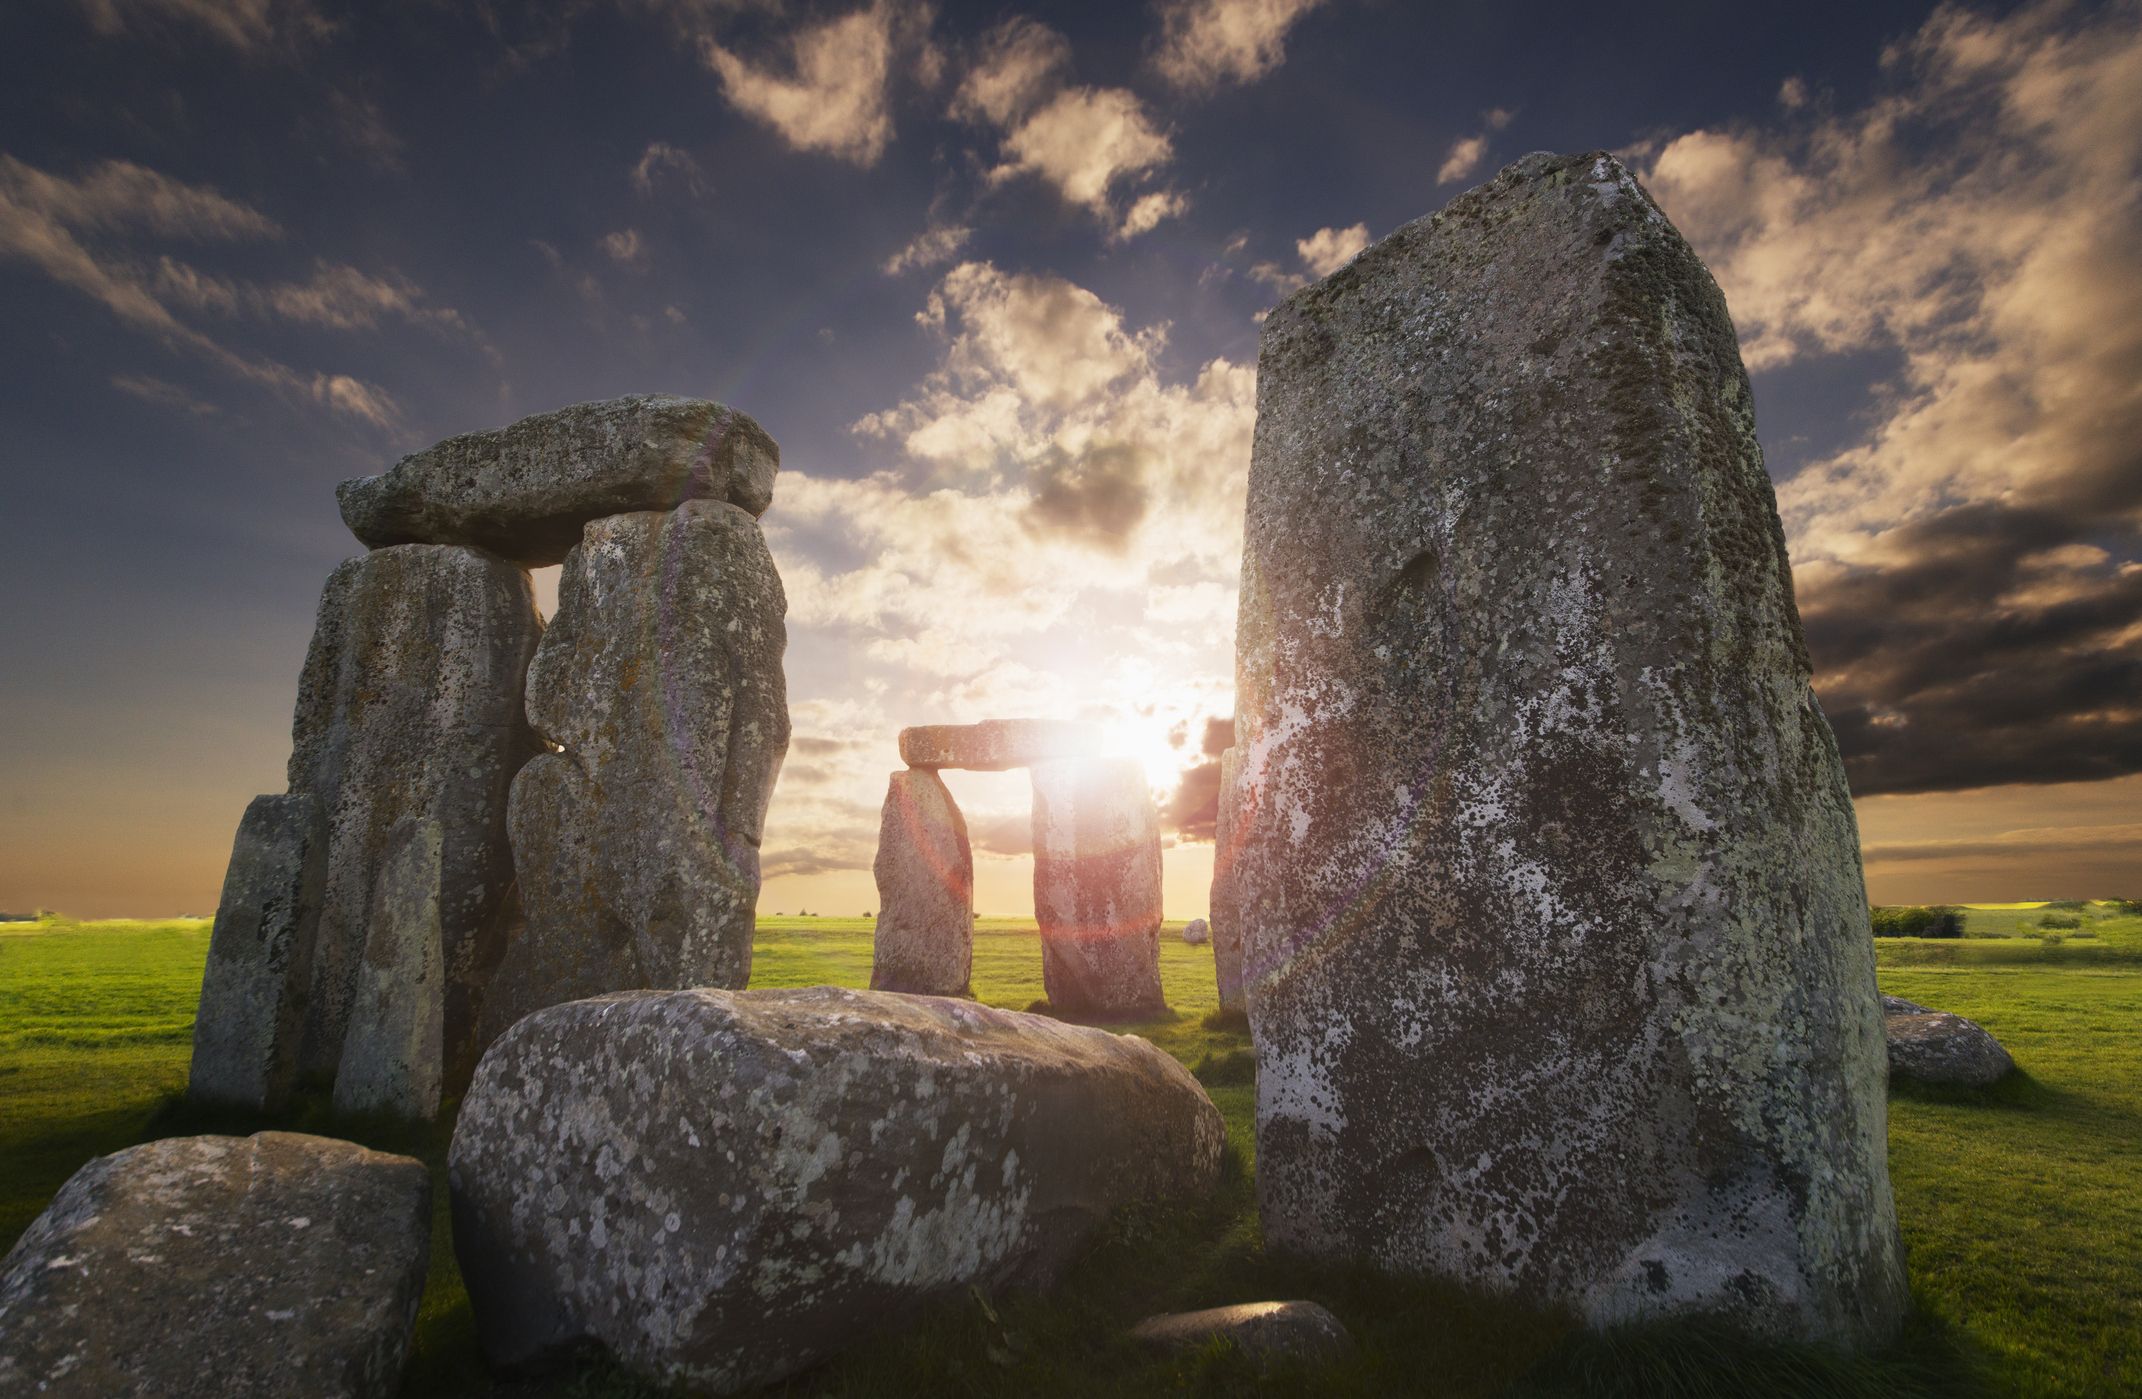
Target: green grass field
point(2021, 1207)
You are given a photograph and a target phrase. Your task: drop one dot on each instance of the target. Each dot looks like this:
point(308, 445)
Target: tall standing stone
point(259, 972)
point(1555, 927)
point(1226, 899)
point(1097, 888)
point(392, 1055)
point(924, 941)
point(410, 708)
point(660, 678)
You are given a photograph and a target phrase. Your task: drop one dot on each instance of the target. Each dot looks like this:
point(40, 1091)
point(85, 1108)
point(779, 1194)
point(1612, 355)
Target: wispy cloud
point(830, 93)
point(1467, 152)
point(661, 163)
point(1207, 43)
point(253, 27)
point(1322, 253)
point(932, 247)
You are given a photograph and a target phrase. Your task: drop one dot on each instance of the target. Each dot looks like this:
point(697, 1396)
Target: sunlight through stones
point(1097, 888)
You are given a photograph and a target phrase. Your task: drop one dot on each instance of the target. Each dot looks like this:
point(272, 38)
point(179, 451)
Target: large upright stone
point(1097, 888)
point(220, 1267)
point(410, 708)
point(720, 1188)
point(392, 1053)
point(924, 941)
point(526, 490)
point(1556, 934)
point(638, 845)
point(1226, 898)
point(259, 972)
point(996, 745)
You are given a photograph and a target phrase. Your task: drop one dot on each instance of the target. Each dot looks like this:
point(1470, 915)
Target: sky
point(993, 276)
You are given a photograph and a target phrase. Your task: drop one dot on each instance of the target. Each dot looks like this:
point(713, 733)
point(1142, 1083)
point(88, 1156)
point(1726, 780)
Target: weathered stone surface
point(1197, 932)
point(1261, 1330)
point(1553, 918)
point(259, 972)
point(638, 846)
point(1937, 1047)
point(925, 871)
point(223, 1267)
point(996, 745)
point(1097, 888)
point(525, 491)
point(722, 1187)
point(410, 708)
point(1226, 897)
point(392, 1055)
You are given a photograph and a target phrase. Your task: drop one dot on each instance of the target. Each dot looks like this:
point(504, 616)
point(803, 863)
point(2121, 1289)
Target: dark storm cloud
point(1193, 810)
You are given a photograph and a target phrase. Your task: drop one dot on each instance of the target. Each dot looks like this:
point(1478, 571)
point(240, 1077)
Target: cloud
point(661, 162)
point(362, 127)
point(938, 244)
point(1322, 253)
point(1148, 211)
point(832, 96)
point(1462, 159)
point(1019, 62)
point(2040, 842)
point(1967, 569)
point(150, 389)
point(624, 247)
point(1206, 43)
point(253, 27)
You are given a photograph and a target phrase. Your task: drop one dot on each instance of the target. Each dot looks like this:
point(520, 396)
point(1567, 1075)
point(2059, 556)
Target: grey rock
point(638, 845)
point(1197, 932)
point(1097, 888)
point(410, 708)
point(1267, 1331)
point(392, 1055)
point(720, 1188)
point(223, 1267)
point(1553, 920)
point(526, 490)
point(1937, 1047)
point(259, 972)
point(996, 745)
point(1226, 896)
point(924, 939)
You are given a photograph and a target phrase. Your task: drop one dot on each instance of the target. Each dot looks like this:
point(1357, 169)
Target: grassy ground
point(2019, 1205)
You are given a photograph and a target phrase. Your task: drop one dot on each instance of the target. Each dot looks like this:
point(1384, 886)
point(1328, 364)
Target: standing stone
point(1554, 922)
point(254, 1267)
point(259, 972)
point(638, 845)
point(1226, 897)
point(391, 1056)
point(1097, 888)
point(925, 874)
point(720, 1188)
point(526, 490)
point(410, 708)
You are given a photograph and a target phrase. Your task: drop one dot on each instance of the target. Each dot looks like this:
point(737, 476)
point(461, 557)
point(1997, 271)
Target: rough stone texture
point(1226, 901)
point(1097, 888)
point(526, 490)
point(1937, 1047)
point(259, 972)
point(410, 708)
point(925, 871)
point(223, 1267)
point(392, 1053)
point(638, 845)
point(1553, 917)
point(996, 745)
point(722, 1187)
point(1197, 932)
point(1261, 1330)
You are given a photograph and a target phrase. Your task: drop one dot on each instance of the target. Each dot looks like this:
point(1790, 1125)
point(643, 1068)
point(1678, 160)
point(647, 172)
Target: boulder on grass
point(1197, 932)
point(722, 1187)
point(1935, 1047)
point(1260, 1330)
point(225, 1267)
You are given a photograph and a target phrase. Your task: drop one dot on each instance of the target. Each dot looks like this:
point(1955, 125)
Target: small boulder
point(525, 491)
point(1260, 1330)
point(1935, 1047)
point(924, 940)
point(1197, 932)
point(392, 1054)
point(1097, 888)
point(253, 990)
point(722, 1187)
point(996, 745)
point(270, 1265)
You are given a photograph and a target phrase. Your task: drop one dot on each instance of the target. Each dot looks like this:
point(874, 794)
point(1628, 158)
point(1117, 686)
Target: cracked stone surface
point(924, 939)
point(526, 490)
point(1554, 926)
point(720, 1187)
point(220, 1267)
